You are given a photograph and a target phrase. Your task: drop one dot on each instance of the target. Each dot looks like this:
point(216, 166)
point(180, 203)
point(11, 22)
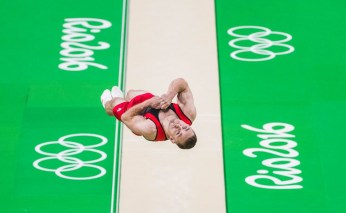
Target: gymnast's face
point(179, 131)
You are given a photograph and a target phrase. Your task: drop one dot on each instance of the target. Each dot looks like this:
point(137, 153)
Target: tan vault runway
point(166, 40)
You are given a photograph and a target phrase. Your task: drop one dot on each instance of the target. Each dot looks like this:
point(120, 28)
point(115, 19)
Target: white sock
point(105, 97)
point(117, 93)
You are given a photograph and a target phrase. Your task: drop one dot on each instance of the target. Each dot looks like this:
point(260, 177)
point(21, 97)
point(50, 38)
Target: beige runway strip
point(170, 39)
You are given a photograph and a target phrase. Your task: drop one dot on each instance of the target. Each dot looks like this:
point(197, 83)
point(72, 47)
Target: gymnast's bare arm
point(134, 120)
point(180, 88)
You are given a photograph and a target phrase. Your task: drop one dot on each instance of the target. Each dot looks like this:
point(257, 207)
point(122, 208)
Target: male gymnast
point(153, 117)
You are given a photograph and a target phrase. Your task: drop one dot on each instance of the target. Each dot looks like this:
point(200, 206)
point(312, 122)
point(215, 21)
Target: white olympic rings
point(73, 162)
point(262, 43)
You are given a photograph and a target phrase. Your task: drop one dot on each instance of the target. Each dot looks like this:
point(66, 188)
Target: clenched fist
point(165, 101)
point(155, 102)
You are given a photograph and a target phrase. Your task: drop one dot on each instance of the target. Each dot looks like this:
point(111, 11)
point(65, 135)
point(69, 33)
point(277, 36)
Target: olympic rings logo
point(262, 43)
point(65, 156)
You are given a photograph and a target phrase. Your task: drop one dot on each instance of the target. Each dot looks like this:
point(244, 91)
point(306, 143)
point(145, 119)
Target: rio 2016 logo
point(67, 155)
point(277, 140)
point(77, 56)
point(261, 43)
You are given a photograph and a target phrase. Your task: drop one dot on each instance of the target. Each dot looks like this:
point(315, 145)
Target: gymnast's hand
point(165, 101)
point(155, 102)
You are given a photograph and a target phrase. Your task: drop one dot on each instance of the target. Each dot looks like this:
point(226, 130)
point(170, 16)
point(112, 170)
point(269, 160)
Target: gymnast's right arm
point(134, 120)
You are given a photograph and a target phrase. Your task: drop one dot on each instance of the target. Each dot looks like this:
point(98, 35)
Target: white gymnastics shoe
point(105, 97)
point(117, 93)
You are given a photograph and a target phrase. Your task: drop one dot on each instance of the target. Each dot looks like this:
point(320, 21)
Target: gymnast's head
point(181, 134)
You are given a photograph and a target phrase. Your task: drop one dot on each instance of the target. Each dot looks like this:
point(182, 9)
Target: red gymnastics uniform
point(150, 113)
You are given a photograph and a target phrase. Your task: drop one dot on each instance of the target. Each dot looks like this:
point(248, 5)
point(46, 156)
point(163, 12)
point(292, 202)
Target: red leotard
point(152, 114)
point(121, 108)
